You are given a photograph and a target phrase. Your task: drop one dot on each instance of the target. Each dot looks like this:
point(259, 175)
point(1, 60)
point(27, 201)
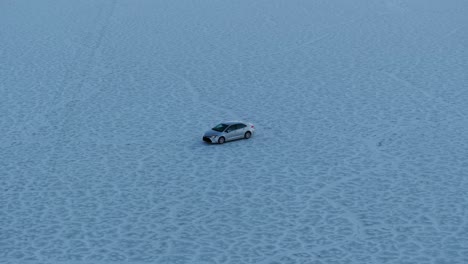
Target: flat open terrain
point(360, 155)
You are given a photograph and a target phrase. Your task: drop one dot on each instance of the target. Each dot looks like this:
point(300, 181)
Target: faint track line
point(101, 32)
point(451, 33)
point(197, 99)
point(358, 225)
point(304, 44)
point(300, 46)
point(78, 71)
point(195, 94)
point(428, 95)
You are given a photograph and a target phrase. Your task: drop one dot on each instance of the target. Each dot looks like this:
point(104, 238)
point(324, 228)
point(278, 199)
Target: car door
point(238, 131)
point(242, 128)
point(232, 132)
point(229, 132)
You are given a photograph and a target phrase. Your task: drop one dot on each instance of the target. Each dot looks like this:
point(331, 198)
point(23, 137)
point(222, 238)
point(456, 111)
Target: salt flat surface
point(360, 156)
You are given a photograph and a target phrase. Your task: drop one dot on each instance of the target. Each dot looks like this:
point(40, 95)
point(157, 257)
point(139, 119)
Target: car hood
point(210, 133)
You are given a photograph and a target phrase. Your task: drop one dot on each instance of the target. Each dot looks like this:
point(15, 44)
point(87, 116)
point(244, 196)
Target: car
point(228, 131)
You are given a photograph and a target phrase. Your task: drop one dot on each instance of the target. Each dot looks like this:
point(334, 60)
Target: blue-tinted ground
point(360, 154)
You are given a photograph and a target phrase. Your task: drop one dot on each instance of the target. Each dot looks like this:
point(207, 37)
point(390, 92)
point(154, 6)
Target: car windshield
point(220, 127)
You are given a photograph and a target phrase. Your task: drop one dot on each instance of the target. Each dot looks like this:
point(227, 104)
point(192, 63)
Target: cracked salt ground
point(360, 147)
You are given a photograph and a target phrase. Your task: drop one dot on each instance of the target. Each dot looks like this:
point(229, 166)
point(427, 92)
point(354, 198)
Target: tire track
point(195, 94)
point(81, 71)
point(426, 94)
point(70, 87)
point(311, 42)
point(97, 45)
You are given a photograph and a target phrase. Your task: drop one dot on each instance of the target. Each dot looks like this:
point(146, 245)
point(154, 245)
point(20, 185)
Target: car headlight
point(213, 137)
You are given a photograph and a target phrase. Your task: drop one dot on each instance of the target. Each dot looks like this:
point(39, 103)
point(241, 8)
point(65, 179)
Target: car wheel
point(247, 135)
point(221, 140)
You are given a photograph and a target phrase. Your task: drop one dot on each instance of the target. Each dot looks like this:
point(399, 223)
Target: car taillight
point(252, 126)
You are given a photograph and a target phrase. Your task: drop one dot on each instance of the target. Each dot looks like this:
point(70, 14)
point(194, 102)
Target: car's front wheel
point(221, 140)
point(247, 135)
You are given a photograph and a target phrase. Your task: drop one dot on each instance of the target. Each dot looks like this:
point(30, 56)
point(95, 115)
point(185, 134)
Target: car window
point(231, 128)
point(236, 126)
point(220, 127)
point(241, 125)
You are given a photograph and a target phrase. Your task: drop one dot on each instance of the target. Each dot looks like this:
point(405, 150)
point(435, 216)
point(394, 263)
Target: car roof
point(233, 122)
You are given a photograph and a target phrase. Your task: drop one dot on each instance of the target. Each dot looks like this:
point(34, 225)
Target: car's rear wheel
point(221, 140)
point(247, 135)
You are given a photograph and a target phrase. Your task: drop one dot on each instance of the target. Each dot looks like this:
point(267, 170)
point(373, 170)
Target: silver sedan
point(228, 131)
